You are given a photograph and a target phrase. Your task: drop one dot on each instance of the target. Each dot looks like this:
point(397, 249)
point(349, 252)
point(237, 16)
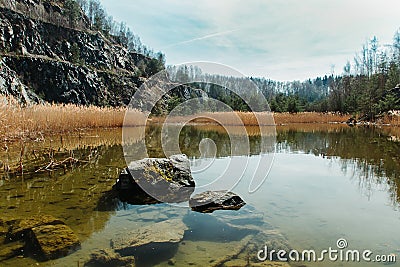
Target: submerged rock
point(210, 201)
point(165, 232)
point(11, 250)
point(157, 180)
point(54, 241)
point(273, 240)
point(43, 237)
point(20, 228)
point(108, 258)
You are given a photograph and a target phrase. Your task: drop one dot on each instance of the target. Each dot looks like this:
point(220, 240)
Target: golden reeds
point(37, 120)
point(309, 117)
point(252, 119)
point(393, 120)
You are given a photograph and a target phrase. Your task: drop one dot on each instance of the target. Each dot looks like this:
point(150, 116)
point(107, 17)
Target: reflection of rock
point(207, 227)
point(170, 231)
point(167, 180)
point(54, 241)
point(245, 218)
point(245, 227)
point(158, 213)
point(351, 121)
point(210, 201)
point(108, 258)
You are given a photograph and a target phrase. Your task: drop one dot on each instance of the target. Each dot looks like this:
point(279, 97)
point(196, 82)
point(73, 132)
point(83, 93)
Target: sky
point(282, 40)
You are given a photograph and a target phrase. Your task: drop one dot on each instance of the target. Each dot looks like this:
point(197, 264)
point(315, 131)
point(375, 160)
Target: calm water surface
point(327, 182)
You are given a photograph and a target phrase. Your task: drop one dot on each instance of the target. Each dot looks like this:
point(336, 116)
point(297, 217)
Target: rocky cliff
point(44, 58)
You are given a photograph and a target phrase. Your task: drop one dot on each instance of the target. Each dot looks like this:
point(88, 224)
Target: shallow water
point(327, 182)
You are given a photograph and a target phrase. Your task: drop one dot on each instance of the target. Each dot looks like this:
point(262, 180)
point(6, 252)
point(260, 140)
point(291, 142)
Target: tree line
point(367, 87)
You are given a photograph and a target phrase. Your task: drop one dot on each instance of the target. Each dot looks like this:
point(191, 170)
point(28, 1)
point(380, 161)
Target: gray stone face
point(163, 179)
point(10, 84)
point(60, 63)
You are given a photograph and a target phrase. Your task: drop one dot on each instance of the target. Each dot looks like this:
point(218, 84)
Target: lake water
point(327, 182)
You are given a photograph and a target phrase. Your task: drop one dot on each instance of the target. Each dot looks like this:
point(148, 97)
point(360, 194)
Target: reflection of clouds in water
point(207, 148)
point(208, 152)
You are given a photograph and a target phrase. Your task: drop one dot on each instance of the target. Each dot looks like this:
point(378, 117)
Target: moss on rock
point(54, 241)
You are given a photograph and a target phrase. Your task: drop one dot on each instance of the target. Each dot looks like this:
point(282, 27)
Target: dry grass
point(309, 117)
point(392, 120)
point(222, 118)
point(265, 118)
point(37, 120)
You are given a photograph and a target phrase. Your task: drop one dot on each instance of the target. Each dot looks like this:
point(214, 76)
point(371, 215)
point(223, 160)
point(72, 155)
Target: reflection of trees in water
point(191, 136)
point(367, 153)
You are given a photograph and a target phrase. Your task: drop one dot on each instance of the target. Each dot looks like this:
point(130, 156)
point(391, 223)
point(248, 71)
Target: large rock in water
point(163, 179)
point(211, 201)
point(43, 237)
point(22, 227)
point(167, 232)
point(54, 241)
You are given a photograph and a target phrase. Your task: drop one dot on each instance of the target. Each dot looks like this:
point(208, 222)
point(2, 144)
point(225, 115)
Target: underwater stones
point(161, 179)
point(54, 241)
point(109, 258)
point(273, 239)
point(43, 237)
point(21, 227)
point(210, 201)
point(165, 232)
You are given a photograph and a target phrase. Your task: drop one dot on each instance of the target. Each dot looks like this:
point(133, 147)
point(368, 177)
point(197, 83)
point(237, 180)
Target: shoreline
point(40, 121)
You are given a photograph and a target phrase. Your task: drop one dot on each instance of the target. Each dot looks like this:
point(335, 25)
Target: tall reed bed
point(36, 120)
point(309, 117)
point(391, 119)
point(253, 119)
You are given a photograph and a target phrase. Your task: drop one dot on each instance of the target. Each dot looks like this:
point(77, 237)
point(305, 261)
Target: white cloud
point(280, 39)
